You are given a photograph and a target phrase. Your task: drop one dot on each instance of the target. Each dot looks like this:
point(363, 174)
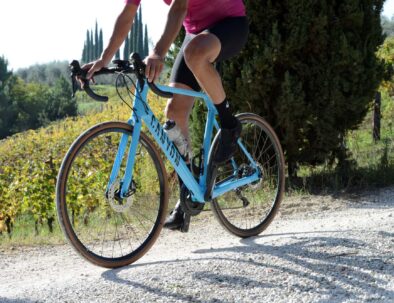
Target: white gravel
point(320, 249)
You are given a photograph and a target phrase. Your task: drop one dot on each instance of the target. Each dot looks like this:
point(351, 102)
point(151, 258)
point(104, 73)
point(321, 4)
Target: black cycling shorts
point(232, 33)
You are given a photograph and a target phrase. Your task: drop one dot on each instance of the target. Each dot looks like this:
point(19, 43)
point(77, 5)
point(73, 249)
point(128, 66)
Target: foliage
point(137, 39)
point(47, 73)
point(31, 105)
point(93, 46)
point(174, 50)
point(388, 26)
point(372, 163)
point(310, 69)
point(29, 161)
point(386, 53)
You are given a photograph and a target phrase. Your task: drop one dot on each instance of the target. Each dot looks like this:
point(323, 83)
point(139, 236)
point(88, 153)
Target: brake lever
point(75, 86)
point(139, 66)
point(77, 71)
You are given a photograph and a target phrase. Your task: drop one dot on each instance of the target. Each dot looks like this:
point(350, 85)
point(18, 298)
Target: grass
point(24, 234)
point(370, 163)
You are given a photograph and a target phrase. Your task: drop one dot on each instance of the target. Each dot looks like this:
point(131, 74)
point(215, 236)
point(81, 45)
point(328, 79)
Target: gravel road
point(319, 249)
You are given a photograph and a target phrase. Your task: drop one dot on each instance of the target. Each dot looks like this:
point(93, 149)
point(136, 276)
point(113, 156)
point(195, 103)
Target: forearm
point(176, 15)
point(122, 27)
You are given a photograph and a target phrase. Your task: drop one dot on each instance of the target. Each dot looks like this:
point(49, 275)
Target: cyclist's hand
point(154, 66)
point(92, 67)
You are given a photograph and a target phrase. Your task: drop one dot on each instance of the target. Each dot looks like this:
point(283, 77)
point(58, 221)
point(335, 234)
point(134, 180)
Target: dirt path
point(319, 249)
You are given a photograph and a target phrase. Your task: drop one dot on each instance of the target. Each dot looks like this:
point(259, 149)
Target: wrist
point(106, 58)
point(158, 54)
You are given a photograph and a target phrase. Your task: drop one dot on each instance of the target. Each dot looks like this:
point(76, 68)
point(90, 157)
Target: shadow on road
point(333, 267)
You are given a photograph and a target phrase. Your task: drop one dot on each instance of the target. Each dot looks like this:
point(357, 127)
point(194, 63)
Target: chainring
point(188, 206)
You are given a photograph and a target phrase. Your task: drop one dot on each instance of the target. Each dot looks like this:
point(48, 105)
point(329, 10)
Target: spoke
point(144, 216)
point(128, 228)
point(102, 243)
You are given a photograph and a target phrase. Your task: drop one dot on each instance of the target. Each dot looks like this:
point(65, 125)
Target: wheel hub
point(118, 204)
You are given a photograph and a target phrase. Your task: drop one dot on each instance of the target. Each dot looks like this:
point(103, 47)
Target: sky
point(41, 31)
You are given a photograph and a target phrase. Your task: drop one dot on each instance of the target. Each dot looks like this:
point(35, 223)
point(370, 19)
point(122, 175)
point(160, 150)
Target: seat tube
point(208, 136)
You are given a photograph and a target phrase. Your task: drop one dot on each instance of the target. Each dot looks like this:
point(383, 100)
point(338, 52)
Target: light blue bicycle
point(112, 190)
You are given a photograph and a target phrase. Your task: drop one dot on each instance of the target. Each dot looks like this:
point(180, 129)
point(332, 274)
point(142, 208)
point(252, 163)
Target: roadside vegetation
point(315, 89)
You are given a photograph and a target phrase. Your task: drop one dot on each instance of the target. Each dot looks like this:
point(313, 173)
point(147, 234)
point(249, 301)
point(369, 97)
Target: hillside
point(29, 161)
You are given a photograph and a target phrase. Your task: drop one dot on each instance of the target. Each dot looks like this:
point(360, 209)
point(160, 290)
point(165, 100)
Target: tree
point(47, 73)
point(146, 42)
point(140, 35)
point(91, 48)
point(6, 106)
point(117, 55)
point(31, 105)
point(388, 26)
point(93, 45)
point(136, 40)
point(61, 105)
point(386, 53)
point(101, 43)
point(96, 42)
point(310, 69)
point(126, 49)
point(88, 45)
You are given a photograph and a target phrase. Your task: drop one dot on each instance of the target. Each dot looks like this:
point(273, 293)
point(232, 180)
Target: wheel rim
point(93, 221)
point(250, 207)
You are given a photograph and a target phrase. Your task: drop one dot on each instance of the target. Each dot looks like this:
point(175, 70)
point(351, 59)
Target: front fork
point(132, 151)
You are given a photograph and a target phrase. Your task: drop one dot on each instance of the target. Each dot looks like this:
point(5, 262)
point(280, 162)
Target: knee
point(196, 52)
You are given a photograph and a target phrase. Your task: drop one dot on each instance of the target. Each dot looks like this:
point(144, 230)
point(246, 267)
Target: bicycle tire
point(86, 212)
point(229, 207)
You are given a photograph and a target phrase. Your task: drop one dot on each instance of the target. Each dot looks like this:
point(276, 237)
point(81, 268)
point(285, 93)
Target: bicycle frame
point(143, 113)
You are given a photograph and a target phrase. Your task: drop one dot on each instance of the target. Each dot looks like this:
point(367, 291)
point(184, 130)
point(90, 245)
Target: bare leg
point(179, 109)
point(200, 53)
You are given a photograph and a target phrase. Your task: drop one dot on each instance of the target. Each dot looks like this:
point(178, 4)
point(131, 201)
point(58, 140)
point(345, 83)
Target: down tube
point(173, 155)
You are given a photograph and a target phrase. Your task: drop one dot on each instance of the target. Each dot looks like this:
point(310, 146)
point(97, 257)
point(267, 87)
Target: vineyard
point(29, 162)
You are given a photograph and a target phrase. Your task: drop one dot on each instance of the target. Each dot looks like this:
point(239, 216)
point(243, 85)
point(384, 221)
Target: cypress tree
point(140, 34)
point(101, 43)
point(94, 45)
point(117, 54)
point(146, 42)
point(310, 69)
point(131, 40)
point(84, 53)
point(96, 42)
point(135, 32)
point(91, 48)
point(126, 49)
point(88, 46)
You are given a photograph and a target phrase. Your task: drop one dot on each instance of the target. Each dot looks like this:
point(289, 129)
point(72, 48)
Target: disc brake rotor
point(119, 205)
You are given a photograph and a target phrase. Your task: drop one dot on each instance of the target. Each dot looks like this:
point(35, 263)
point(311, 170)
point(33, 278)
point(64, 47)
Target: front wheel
point(248, 210)
point(105, 229)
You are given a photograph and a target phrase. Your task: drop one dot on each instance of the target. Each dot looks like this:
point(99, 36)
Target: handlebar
point(132, 66)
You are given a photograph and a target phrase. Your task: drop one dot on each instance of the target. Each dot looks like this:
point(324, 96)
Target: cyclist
point(215, 30)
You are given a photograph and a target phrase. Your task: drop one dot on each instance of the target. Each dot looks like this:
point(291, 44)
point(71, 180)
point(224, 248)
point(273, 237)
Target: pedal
point(186, 223)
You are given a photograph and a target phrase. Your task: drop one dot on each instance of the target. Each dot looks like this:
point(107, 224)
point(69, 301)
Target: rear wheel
point(105, 229)
point(248, 210)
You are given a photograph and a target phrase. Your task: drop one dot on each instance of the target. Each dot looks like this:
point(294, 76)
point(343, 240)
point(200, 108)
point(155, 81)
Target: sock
point(226, 117)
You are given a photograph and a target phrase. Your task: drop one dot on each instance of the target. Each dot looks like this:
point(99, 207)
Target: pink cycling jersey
point(201, 14)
